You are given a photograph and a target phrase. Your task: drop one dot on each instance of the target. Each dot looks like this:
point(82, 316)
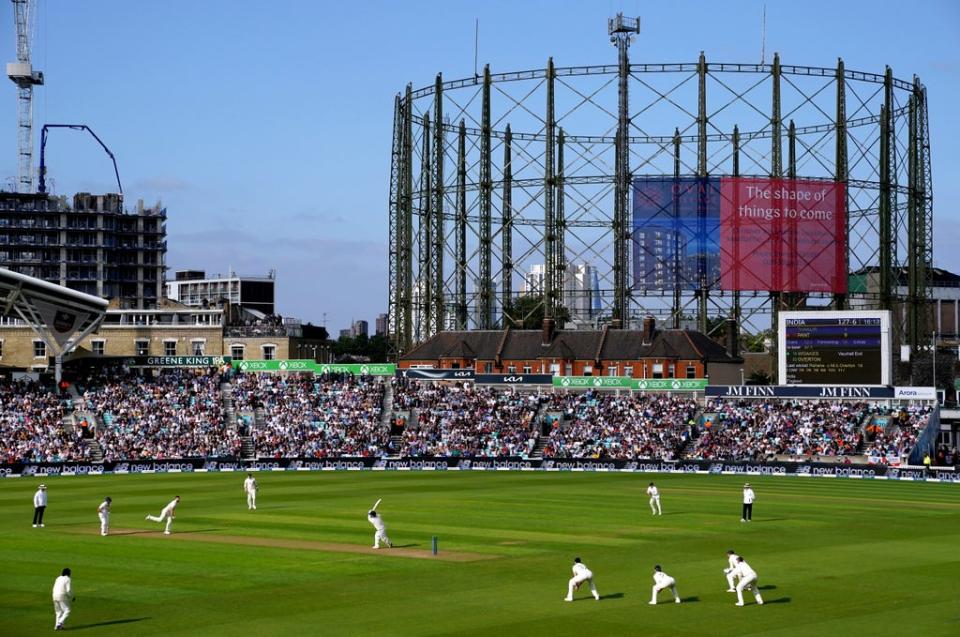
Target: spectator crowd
point(177, 414)
point(31, 425)
point(181, 413)
point(461, 419)
point(314, 416)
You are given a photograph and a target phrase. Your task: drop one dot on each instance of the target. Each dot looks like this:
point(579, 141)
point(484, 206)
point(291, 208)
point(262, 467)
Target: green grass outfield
point(835, 556)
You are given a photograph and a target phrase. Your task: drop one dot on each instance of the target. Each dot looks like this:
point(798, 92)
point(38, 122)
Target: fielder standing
point(250, 487)
point(654, 494)
point(103, 512)
point(748, 581)
point(39, 505)
point(62, 598)
point(581, 574)
point(168, 513)
point(381, 529)
point(748, 498)
point(731, 571)
point(663, 581)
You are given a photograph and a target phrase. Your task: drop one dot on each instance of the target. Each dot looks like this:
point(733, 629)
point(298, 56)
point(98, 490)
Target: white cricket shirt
point(748, 496)
point(62, 588)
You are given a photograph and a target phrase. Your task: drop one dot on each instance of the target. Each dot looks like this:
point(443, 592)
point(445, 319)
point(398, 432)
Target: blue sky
point(265, 128)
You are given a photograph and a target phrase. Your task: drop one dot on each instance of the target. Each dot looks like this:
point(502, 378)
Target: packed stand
point(893, 434)
point(465, 420)
point(31, 425)
point(599, 425)
point(177, 414)
point(758, 430)
point(314, 416)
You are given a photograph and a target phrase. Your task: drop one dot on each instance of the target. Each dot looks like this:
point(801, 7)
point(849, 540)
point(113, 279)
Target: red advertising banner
point(786, 235)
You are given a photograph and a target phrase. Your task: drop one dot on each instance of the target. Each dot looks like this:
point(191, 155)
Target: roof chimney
point(733, 338)
point(649, 328)
point(548, 329)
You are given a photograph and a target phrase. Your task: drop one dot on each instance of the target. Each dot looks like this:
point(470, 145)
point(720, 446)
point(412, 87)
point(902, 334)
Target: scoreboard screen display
point(834, 348)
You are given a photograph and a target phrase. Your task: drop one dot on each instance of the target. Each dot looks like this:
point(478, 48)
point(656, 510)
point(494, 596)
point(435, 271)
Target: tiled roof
point(570, 345)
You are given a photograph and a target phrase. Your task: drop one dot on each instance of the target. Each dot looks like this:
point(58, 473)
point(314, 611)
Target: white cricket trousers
point(61, 608)
point(731, 578)
point(169, 518)
point(584, 577)
point(671, 584)
point(750, 585)
point(104, 523)
point(251, 499)
point(380, 536)
point(655, 505)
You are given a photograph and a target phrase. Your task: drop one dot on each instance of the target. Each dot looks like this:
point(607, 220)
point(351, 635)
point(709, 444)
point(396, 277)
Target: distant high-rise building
point(94, 246)
point(581, 288)
point(359, 328)
point(381, 325)
point(346, 333)
point(195, 289)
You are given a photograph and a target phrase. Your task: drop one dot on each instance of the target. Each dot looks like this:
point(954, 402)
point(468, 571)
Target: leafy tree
point(526, 312)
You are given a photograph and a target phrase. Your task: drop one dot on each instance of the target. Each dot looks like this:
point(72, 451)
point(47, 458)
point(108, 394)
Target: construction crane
point(22, 74)
point(42, 177)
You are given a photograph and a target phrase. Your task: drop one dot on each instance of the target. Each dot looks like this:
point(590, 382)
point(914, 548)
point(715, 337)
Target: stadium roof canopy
point(60, 316)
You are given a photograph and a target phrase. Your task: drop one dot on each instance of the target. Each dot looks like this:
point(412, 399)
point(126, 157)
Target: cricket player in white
point(103, 512)
point(654, 494)
point(381, 529)
point(62, 598)
point(748, 581)
point(168, 513)
point(581, 574)
point(250, 487)
point(663, 581)
point(731, 571)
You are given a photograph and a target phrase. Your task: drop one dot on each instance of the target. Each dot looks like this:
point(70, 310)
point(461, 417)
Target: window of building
point(612, 370)
point(658, 370)
point(98, 347)
point(527, 369)
point(269, 352)
point(568, 369)
point(691, 371)
point(169, 348)
point(628, 371)
point(141, 346)
point(588, 370)
point(197, 346)
point(488, 368)
point(671, 371)
point(511, 369)
point(236, 352)
point(39, 349)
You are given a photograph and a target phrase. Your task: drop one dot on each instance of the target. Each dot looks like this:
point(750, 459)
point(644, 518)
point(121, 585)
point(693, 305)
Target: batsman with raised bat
point(381, 534)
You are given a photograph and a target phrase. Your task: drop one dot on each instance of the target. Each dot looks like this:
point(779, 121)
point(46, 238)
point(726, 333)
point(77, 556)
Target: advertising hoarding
point(739, 234)
point(784, 235)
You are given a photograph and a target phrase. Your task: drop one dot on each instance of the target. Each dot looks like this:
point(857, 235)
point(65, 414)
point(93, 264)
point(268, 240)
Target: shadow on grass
point(148, 532)
point(405, 546)
point(770, 520)
point(767, 587)
point(688, 600)
point(779, 600)
point(612, 596)
point(109, 623)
